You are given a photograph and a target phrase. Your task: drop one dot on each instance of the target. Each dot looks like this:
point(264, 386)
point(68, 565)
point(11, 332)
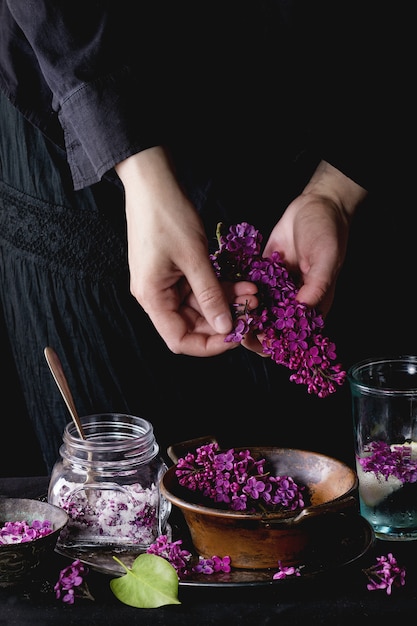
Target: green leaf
point(152, 582)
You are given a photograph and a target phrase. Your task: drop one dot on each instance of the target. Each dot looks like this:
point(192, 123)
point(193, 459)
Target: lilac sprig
point(235, 480)
point(385, 574)
point(181, 560)
point(213, 565)
point(172, 552)
point(291, 331)
point(22, 531)
point(387, 461)
point(71, 583)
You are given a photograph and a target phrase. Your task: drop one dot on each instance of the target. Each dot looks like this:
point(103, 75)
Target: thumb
point(211, 299)
point(317, 292)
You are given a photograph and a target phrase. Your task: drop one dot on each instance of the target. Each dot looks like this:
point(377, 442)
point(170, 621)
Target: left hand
point(312, 237)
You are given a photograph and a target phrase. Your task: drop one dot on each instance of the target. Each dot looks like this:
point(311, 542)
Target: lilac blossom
point(387, 461)
point(181, 560)
point(172, 552)
point(385, 574)
point(213, 565)
point(236, 480)
point(285, 571)
point(289, 330)
point(22, 531)
point(71, 583)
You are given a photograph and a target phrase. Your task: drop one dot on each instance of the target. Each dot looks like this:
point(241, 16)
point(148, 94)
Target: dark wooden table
point(334, 597)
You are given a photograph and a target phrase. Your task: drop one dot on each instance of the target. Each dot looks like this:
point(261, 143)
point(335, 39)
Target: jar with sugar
point(108, 483)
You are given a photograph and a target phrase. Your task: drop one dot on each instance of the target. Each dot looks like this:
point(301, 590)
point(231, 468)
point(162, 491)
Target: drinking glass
point(384, 407)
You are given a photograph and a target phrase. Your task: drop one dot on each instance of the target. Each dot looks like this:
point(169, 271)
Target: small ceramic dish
point(18, 560)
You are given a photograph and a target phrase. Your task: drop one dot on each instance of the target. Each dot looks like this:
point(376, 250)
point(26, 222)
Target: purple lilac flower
point(286, 571)
point(213, 565)
point(291, 331)
point(71, 583)
point(236, 480)
point(387, 460)
point(172, 552)
point(181, 559)
point(22, 531)
point(386, 574)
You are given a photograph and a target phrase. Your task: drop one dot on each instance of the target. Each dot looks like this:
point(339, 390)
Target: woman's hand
point(312, 237)
point(312, 234)
point(171, 275)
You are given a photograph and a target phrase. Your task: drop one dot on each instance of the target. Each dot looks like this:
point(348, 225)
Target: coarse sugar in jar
point(108, 483)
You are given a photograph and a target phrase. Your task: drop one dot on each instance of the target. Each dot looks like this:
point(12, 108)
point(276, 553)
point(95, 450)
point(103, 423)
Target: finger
point(253, 343)
point(242, 293)
point(211, 298)
point(317, 290)
point(239, 288)
point(238, 304)
point(187, 332)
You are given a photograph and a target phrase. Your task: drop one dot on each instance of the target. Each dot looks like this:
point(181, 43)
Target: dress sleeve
point(99, 63)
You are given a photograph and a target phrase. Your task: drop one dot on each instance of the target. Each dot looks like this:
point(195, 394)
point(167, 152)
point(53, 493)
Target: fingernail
point(223, 323)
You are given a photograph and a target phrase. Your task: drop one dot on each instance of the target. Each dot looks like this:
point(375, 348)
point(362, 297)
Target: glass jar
point(108, 483)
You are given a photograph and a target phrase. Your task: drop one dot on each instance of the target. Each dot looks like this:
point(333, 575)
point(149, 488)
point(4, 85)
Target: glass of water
point(384, 408)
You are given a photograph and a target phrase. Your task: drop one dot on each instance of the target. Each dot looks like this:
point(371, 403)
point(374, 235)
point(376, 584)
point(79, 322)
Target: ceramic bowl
point(261, 540)
point(19, 560)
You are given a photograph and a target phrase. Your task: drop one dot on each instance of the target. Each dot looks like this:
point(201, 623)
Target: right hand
point(171, 275)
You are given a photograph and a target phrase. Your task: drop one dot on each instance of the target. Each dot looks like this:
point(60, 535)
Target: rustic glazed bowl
point(261, 540)
point(19, 560)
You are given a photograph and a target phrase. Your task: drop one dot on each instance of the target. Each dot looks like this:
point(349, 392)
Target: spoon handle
point(58, 373)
